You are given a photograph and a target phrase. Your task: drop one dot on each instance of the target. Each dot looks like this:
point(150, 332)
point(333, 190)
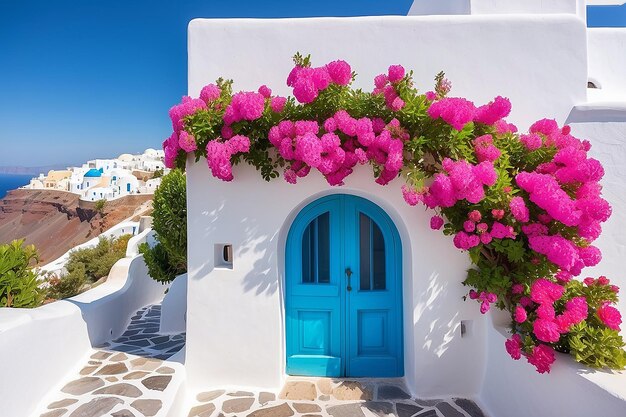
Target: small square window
point(224, 255)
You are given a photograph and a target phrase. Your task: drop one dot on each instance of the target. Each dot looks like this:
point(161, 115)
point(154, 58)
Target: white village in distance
point(107, 179)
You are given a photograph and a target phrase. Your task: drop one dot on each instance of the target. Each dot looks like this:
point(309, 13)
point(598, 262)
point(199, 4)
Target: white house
point(251, 323)
point(99, 193)
point(113, 177)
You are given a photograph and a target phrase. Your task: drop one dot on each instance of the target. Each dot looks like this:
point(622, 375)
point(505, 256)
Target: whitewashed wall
point(41, 347)
point(606, 129)
point(235, 331)
point(449, 7)
point(483, 56)
point(607, 63)
point(514, 389)
point(174, 307)
point(235, 317)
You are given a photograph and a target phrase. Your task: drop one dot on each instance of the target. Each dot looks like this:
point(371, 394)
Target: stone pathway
point(128, 377)
point(325, 397)
point(142, 336)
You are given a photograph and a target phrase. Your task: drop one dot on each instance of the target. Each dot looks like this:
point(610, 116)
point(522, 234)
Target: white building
point(247, 318)
point(107, 178)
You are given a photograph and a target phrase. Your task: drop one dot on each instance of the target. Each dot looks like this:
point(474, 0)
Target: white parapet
point(41, 347)
point(607, 64)
point(477, 7)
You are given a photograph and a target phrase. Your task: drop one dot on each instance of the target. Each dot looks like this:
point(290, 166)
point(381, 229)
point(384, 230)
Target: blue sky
point(87, 79)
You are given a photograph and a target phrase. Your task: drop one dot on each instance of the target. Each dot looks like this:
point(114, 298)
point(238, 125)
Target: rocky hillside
point(55, 221)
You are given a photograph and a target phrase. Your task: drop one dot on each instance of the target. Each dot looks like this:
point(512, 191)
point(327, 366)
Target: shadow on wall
point(261, 248)
point(428, 315)
point(208, 236)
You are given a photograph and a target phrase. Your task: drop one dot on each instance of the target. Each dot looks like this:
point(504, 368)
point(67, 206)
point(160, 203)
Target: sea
point(10, 182)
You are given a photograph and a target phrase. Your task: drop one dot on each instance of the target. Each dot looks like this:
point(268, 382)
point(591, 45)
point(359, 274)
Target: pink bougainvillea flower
point(542, 357)
point(210, 93)
point(411, 196)
point(395, 73)
point(610, 316)
point(457, 112)
point(187, 107)
point(517, 289)
point(436, 222)
point(304, 90)
point(520, 314)
point(519, 209)
point(496, 110)
point(340, 72)
point(265, 91)
point(514, 346)
point(546, 193)
point(474, 216)
point(485, 149)
point(187, 142)
point(469, 226)
point(543, 291)
point(277, 104)
point(576, 310)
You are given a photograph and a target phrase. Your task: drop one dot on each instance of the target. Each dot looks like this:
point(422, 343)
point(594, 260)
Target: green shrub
point(100, 205)
point(158, 262)
point(158, 173)
point(88, 265)
point(19, 286)
point(68, 285)
point(168, 258)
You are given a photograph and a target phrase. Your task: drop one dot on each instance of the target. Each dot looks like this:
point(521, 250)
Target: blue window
point(316, 251)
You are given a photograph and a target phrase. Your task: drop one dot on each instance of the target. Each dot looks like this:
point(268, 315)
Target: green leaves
point(514, 250)
point(19, 284)
point(598, 347)
point(168, 258)
point(86, 266)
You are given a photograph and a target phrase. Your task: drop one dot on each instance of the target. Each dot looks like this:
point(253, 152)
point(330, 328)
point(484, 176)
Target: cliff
point(55, 221)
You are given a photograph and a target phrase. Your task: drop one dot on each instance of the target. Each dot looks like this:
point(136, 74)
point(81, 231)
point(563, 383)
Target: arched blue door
point(343, 291)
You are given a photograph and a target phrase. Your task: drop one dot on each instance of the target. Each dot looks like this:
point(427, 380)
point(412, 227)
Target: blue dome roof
point(93, 173)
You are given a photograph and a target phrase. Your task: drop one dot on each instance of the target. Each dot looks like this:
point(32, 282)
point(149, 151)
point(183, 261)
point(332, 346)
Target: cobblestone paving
point(128, 377)
point(324, 397)
point(142, 336)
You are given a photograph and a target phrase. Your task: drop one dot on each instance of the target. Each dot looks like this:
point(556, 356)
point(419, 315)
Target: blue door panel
point(340, 323)
point(307, 365)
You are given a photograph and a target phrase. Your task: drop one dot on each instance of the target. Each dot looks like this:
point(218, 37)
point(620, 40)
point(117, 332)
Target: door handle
point(349, 274)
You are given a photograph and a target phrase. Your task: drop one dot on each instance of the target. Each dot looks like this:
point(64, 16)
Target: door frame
point(300, 220)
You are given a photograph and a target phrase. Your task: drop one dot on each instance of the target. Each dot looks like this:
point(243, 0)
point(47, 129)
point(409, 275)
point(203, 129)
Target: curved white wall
point(108, 307)
point(41, 347)
point(174, 307)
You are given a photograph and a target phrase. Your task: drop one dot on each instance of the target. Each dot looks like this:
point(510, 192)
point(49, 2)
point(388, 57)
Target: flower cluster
point(526, 207)
point(485, 299)
point(386, 84)
point(219, 153)
point(308, 82)
point(342, 144)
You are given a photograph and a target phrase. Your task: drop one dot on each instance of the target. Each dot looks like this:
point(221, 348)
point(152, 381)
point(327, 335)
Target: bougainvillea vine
point(527, 207)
